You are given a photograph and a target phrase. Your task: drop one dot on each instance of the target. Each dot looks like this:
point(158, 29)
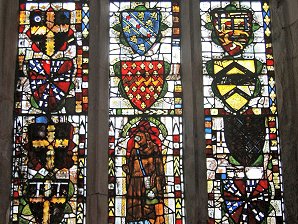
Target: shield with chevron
point(141, 28)
point(235, 82)
point(50, 82)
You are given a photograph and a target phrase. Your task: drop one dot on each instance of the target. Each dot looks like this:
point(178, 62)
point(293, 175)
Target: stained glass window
point(146, 182)
point(241, 123)
point(50, 113)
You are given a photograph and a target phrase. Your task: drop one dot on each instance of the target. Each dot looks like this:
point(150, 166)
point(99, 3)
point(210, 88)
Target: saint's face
point(140, 138)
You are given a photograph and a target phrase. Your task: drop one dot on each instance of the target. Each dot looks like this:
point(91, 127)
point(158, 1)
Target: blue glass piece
point(233, 205)
point(42, 120)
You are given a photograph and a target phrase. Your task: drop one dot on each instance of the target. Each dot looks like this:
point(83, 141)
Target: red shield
point(142, 82)
point(50, 82)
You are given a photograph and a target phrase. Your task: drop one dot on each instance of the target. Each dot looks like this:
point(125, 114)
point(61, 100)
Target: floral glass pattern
point(145, 140)
point(241, 124)
point(50, 113)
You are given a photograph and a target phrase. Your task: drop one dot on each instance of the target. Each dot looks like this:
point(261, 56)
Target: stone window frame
point(285, 47)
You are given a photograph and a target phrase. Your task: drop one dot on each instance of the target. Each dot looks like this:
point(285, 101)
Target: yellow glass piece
point(78, 16)
point(239, 21)
point(223, 89)
point(268, 32)
point(141, 15)
point(134, 39)
point(267, 20)
point(50, 43)
point(79, 107)
point(58, 200)
point(38, 30)
point(247, 89)
point(178, 203)
point(111, 202)
point(61, 143)
point(235, 71)
point(257, 111)
point(266, 7)
point(248, 64)
point(23, 17)
point(178, 89)
point(176, 8)
point(210, 186)
point(236, 101)
point(273, 109)
point(143, 105)
point(218, 66)
point(46, 212)
point(178, 214)
point(51, 136)
point(40, 143)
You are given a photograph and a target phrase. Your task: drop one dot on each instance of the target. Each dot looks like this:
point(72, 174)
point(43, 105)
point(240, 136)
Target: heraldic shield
point(235, 82)
point(50, 146)
point(50, 31)
point(245, 138)
point(50, 82)
point(233, 28)
point(50, 154)
point(141, 28)
point(246, 201)
point(142, 82)
point(48, 199)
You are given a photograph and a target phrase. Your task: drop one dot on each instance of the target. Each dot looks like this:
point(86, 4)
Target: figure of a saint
point(144, 175)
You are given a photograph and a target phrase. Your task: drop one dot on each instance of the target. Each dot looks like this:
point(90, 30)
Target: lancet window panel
point(241, 123)
point(50, 113)
point(146, 182)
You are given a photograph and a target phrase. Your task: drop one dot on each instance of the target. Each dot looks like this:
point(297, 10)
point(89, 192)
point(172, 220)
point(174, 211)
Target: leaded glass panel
point(146, 182)
point(50, 113)
point(241, 123)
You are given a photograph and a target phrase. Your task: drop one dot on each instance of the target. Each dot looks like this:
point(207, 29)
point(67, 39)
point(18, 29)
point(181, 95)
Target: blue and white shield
point(141, 29)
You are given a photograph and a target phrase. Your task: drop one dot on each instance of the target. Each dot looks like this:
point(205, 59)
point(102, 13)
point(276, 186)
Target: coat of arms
point(245, 138)
point(50, 82)
point(50, 30)
point(50, 146)
point(246, 201)
point(235, 81)
point(232, 28)
point(140, 28)
point(142, 82)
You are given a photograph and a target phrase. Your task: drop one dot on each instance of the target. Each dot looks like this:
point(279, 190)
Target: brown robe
point(139, 206)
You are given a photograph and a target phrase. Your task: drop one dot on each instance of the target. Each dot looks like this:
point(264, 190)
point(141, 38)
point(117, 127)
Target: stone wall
point(285, 47)
point(8, 47)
